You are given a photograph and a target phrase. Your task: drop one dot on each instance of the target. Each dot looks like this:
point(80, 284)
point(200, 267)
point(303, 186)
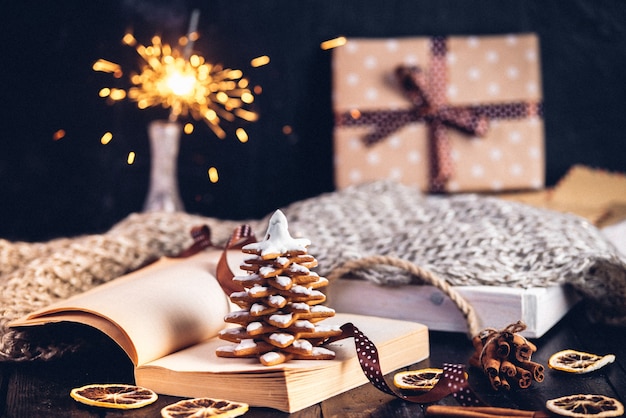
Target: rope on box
point(473, 324)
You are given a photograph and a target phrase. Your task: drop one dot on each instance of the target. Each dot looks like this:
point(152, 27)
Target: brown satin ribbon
point(201, 235)
point(452, 381)
point(241, 236)
point(427, 94)
point(429, 104)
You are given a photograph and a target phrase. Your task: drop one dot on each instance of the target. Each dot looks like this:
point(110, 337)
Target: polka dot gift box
point(447, 114)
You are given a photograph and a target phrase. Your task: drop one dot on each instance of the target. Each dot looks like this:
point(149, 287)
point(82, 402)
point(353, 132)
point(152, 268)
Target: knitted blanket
point(464, 239)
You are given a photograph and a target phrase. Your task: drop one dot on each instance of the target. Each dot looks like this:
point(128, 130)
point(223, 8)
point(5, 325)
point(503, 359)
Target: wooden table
point(42, 389)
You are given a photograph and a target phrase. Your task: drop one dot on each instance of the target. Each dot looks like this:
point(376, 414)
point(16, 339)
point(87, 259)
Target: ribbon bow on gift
point(429, 106)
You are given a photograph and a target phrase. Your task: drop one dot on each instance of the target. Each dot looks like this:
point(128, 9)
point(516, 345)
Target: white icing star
point(277, 238)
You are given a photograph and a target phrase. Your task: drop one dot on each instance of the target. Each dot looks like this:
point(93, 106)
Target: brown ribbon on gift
point(452, 382)
point(427, 94)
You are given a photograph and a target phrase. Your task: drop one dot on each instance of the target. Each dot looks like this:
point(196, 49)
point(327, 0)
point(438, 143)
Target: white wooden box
point(496, 307)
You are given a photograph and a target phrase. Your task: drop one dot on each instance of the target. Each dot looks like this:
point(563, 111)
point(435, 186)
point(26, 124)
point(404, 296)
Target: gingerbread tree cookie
point(281, 304)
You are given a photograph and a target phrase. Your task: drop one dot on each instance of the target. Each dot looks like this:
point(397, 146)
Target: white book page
point(169, 305)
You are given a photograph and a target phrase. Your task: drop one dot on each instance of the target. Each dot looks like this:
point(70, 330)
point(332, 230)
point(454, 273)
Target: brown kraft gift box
point(446, 114)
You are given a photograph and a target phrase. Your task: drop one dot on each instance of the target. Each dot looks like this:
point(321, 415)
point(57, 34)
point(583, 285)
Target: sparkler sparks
point(184, 83)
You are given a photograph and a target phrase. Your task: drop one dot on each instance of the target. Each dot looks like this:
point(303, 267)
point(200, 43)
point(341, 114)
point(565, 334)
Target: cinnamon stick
point(478, 411)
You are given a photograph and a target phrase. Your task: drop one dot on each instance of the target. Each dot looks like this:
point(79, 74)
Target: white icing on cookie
point(283, 281)
point(322, 308)
point(282, 318)
point(300, 306)
point(257, 308)
point(303, 345)
point(238, 295)
point(281, 338)
point(277, 239)
point(298, 269)
point(247, 343)
point(271, 357)
point(254, 291)
point(266, 271)
point(318, 351)
point(276, 300)
point(304, 324)
point(249, 278)
point(253, 326)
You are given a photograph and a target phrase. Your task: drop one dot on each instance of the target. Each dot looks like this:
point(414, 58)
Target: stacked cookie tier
point(281, 304)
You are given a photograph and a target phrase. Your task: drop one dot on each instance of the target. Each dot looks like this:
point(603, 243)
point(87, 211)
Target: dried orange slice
point(574, 361)
point(118, 396)
point(204, 407)
point(584, 406)
point(422, 379)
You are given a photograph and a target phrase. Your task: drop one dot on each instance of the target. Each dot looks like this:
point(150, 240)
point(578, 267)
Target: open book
point(167, 316)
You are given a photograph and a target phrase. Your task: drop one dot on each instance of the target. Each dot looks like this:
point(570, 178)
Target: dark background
point(76, 185)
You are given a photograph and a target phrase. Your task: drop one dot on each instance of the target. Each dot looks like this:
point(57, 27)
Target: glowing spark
point(131, 158)
point(213, 175)
point(60, 134)
point(188, 128)
point(108, 67)
point(184, 83)
point(355, 113)
point(260, 61)
point(333, 43)
point(106, 138)
point(242, 135)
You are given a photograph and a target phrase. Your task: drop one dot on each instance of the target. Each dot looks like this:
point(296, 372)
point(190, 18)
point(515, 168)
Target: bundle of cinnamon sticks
point(505, 357)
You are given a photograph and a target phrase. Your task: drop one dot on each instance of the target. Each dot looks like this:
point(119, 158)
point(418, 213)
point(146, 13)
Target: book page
point(169, 305)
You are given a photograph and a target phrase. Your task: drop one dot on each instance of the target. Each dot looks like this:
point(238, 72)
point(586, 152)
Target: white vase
point(163, 194)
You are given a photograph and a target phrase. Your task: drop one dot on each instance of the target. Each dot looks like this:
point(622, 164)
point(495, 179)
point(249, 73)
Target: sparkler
point(182, 81)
